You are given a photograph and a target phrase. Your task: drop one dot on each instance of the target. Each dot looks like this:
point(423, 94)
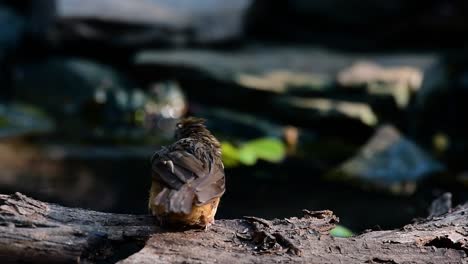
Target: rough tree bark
point(34, 231)
point(31, 230)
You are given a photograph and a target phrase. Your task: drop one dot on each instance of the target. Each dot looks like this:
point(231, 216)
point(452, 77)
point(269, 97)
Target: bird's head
point(190, 126)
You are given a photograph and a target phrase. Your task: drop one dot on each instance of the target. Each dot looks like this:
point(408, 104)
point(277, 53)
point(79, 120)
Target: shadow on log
point(34, 231)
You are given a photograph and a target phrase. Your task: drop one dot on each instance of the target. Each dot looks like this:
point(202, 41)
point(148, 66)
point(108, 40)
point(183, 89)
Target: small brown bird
point(187, 177)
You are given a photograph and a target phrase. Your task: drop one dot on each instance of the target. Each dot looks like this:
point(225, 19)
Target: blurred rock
point(322, 108)
point(166, 106)
point(441, 205)
point(399, 82)
point(269, 69)
point(289, 70)
point(76, 90)
point(241, 79)
point(237, 126)
point(90, 100)
point(150, 22)
point(390, 161)
point(19, 119)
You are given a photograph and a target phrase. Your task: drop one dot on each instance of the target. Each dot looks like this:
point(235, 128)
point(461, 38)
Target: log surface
point(34, 231)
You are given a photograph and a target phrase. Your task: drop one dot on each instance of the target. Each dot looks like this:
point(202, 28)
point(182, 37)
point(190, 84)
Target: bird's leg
point(208, 225)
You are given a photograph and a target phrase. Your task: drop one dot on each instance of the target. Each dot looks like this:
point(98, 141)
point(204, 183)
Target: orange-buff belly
point(200, 216)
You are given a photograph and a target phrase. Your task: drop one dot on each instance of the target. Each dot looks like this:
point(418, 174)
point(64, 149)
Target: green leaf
point(229, 150)
point(247, 156)
point(230, 154)
point(341, 231)
point(269, 149)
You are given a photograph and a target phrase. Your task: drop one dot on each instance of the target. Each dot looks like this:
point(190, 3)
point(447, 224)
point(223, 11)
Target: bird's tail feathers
point(176, 201)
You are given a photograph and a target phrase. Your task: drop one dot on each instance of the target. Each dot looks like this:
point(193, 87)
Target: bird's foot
point(208, 225)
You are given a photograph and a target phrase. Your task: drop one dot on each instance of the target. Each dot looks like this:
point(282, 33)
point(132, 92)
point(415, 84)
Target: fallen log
point(35, 231)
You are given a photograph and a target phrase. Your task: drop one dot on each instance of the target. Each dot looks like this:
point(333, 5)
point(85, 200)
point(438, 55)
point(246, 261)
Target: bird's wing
point(210, 187)
point(176, 168)
point(185, 178)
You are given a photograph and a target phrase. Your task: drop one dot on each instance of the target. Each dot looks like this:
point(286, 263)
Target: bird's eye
point(179, 125)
